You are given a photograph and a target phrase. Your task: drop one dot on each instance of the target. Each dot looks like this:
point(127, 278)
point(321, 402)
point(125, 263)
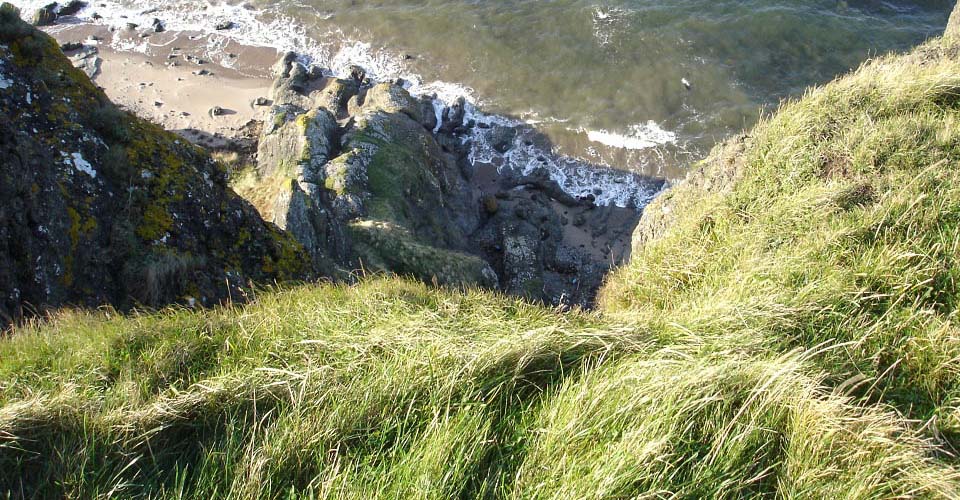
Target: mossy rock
point(95, 195)
point(386, 247)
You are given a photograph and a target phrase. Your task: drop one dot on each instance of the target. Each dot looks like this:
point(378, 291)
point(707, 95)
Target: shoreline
point(246, 49)
point(176, 85)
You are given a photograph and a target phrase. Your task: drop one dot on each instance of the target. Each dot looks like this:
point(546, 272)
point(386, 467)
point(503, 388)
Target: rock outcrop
point(100, 207)
point(953, 26)
point(368, 178)
point(361, 182)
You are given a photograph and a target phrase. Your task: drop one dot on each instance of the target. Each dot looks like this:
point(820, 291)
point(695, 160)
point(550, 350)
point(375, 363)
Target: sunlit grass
point(791, 334)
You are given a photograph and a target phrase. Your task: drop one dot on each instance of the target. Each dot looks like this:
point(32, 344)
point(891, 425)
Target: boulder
point(297, 144)
point(46, 15)
point(501, 138)
point(71, 46)
point(336, 95)
point(86, 59)
point(358, 74)
point(953, 25)
point(71, 8)
point(355, 185)
point(390, 98)
point(386, 247)
point(453, 116)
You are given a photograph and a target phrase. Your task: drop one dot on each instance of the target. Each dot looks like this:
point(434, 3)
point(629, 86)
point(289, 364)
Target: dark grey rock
point(358, 74)
point(71, 8)
point(501, 138)
point(453, 116)
point(71, 46)
point(87, 60)
point(46, 15)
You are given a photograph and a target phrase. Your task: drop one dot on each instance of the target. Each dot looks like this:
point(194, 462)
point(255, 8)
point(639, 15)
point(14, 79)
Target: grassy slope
point(791, 335)
point(841, 230)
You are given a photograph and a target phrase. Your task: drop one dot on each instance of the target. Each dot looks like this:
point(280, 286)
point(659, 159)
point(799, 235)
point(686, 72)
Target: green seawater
point(602, 79)
point(581, 65)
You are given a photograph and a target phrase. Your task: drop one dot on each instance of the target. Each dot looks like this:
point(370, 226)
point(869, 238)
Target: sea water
point(621, 90)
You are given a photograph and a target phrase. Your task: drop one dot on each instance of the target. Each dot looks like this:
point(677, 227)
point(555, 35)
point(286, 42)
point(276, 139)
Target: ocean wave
point(641, 136)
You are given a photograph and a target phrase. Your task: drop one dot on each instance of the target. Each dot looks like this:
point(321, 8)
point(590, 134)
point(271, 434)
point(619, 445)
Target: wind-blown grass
point(791, 333)
point(391, 389)
point(843, 228)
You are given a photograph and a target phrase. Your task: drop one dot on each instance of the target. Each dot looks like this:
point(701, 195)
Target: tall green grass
point(390, 389)
point(791, 333)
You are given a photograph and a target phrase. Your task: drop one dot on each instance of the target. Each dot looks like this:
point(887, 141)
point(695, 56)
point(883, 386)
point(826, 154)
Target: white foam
point(641, 136)
point(607, 23)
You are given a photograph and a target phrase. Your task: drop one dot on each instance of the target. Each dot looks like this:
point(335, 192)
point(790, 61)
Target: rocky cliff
point(100, 207)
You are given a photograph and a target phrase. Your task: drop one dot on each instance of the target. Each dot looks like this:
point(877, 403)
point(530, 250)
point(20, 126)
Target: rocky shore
point(363, 176)
point(367, 177)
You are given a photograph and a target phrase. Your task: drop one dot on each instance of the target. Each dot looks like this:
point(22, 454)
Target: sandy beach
point(173, 80)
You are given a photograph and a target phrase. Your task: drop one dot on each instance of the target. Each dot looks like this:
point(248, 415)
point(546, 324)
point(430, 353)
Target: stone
point(224, 25)
point(71, 8)
point(490, 205)
point(390, 98)
point(428, 113)
point(299, 146)
point(339, 96)
point(358, 74)
point(71, 46)
point(953, 25)
point(157, 26)
point(453, 116)
point(46, 15)
point(501, 138)
point(87, 60)
point(315, 72)
point(281, 69)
